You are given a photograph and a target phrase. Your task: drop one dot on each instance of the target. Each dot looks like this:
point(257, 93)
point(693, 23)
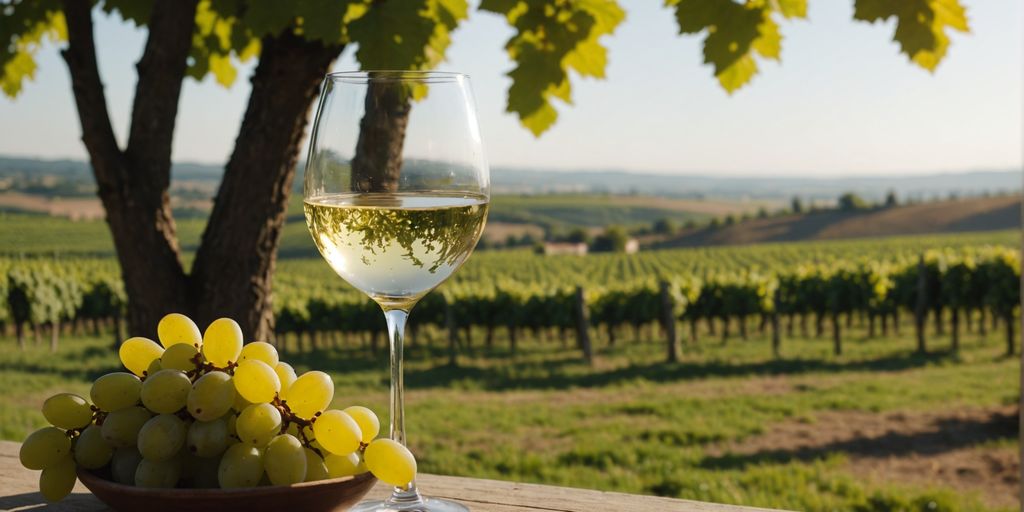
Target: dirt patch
point(72, 208)
point(954, 449)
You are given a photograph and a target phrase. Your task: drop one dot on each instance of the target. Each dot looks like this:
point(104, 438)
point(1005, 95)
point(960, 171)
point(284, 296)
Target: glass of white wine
point(396, 196)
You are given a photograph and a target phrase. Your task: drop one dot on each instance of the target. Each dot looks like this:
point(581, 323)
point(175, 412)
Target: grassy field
point(879, 428)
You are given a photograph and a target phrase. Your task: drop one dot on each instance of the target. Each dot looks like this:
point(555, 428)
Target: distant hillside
point(975, 214)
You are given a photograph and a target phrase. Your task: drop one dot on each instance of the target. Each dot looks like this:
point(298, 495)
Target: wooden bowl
point(325, 495)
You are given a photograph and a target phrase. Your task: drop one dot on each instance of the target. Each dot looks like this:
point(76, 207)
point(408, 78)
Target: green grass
point(629, 423)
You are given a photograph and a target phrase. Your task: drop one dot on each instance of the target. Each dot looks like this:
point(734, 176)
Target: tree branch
point(239, 247)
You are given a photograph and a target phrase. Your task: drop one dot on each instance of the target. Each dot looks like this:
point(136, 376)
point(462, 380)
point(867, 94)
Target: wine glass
point(396, 196)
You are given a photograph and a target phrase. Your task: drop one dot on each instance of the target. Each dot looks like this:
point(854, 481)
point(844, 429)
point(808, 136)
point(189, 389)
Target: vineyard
point(819, 288)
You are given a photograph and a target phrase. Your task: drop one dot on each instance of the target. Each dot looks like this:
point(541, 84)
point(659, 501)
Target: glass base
point(422, 505)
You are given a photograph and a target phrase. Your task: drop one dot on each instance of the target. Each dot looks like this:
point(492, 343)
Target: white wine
point(396, 247)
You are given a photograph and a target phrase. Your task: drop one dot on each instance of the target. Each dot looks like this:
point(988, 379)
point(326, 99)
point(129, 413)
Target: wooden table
point(19, 491)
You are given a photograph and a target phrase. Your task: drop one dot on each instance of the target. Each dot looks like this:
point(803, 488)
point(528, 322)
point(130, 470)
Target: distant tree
point(851, 202)
point(664, 226)
point(295, 43)
point(527, 239)
point(578, 236)
point(796, 205)
point(730, 219)
point(890, 199)
point(762, 213)
point(690, 224)
point(714, 223)
point(511, 240)
point(614, 239)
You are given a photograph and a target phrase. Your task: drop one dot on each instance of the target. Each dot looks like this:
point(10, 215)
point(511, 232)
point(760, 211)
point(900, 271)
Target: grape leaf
point(920, 25)
point(135, 11)
point(220, 37)
point(322, 19)
point(408, 35)
point(550, 39)
point(735, 31)
point(268, 17)
point(26, 27)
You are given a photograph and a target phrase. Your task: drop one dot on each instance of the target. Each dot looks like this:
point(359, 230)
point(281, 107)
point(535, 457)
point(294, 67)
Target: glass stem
point(396, 319)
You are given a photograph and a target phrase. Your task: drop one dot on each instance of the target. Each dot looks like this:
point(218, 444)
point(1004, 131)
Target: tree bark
point(837, 341)
point(133, 185)
point(1011, 337)
point(921, 307)
point(377, 162)
point(232, 274)
point(954, 325)
point(582, 324)
point(668, 321)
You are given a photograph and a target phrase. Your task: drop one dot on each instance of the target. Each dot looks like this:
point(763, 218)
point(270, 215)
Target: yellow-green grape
point(123, 465)
point(163, 474)
point(137, 353)
point(222, 342)
point(211, 397)
point(207, 438)
point(154, 367)
point(309, 394)
point(166, 391)
point(121, 428)
point(343, 465)
point(91, 451)
point(240, 402)
point(241, 466)
point(44, 447)
point(390, 462)
point(260, 351)
point(162, 437)
point(285, 460)
point(256, 381)
point(315, 467)
point(258, 424)
point(177, 328)
point(179, 357)
point(67, 411)
point(368, 423)
point(286, 374)
point(337, 432)
point(115, 391)
point(56, 481)
point(232, 422)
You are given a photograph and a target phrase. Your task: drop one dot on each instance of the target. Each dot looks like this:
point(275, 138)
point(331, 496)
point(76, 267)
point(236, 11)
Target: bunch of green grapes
point(207, 411)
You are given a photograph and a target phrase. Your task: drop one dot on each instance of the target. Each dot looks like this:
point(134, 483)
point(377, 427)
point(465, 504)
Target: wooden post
point(668, 322)
point(54, 334)
point(776, 341)
point(1010, 336)
point(921, 307)
point(511, 338)
point(582, 324)
point(453, 334)
point(837, 342)
point(954, 325)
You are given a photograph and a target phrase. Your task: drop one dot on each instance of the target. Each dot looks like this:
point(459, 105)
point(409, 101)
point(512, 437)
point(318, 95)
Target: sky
point(842, 102)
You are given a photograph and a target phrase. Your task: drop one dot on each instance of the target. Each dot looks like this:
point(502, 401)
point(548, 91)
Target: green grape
point(56, 481)
point(390, 462)
point(121, 428)
point(309, 394)
point(44, 447)
point(315, 467)
point(368, 423)
point(175, 329)
point(294, 429)
point(162, 437)
point(154, 367)
point(258, 424)
point(123, 465)
point(207, 438)
point(115, 391)
point(240, 402)
point(285, 460)
point(286, 374)
point(211, 397)
point(200, 472)
point(241, 466)
point(222, 342)
point(343, 465)
point(138, 352)
point(179, 357)
point(91, 451)
point(232, 421)
point(256, 381)
point(337, 432)
point(154, 474)
point(260, 351)
point(67, 411)
point(166, 391)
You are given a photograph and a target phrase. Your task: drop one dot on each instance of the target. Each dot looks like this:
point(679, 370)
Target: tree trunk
point(921, 308)
point(711, 325)
point(1011, 338)
point(819, 324)
point(725, 329)
point(233, 269)
point(453, 334)
point(871, 325)
point(896, 321)
point(743, 327)
point(611, 334)
point(511, 338)
point(983, 325)
point(693, 330)
point(19, 333)
point(776, 342)
point(377, 162)
point(118, 333)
